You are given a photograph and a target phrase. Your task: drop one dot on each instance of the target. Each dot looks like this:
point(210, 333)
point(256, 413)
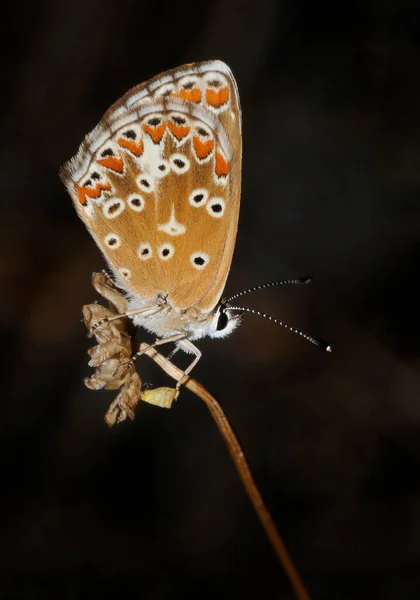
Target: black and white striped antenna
point(263, 286)
point(308, 338)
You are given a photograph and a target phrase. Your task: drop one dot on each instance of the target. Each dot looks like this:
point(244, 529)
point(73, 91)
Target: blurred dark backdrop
point(154, 509)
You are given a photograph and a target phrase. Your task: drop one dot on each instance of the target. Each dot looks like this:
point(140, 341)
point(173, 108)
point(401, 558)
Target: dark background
point(154, 508)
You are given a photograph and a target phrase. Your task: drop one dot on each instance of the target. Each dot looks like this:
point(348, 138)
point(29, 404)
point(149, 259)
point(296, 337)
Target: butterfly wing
point(157, 184)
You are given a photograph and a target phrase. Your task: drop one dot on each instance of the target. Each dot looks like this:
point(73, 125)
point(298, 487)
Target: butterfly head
point(223, 321)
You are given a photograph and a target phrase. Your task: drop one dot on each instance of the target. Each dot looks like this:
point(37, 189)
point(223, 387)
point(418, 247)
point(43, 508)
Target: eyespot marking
point(109, 159)
point(198, 197)
point(199, 260)
point(179, 163)
point(130, 139)
point(221, 169)
point(126, 273)
point(113, 207)
point(203, 143)
point(130, 134)
point(162, 169)
point(112, 240)
point(145, 183)
point(216, 207)
point(84, 192)
point(145, 251)
point(189, 89)
point(217, 92)
point(166, 251)
point(155, 127)
point(179, 127)
point(136, 202)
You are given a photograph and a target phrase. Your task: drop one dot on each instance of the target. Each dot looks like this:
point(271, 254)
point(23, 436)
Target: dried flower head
point(112, 356)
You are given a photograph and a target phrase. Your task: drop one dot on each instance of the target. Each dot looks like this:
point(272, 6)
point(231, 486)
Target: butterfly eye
point(222, 321)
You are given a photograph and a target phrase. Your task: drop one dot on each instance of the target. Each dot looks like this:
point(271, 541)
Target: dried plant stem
point(242, 467)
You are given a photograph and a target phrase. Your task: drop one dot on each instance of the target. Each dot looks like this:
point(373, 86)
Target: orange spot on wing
point(112, 162)
point(202, 149)
point(193, 95)
point(156, 133)
point(222, 166)
point(179, 131)
point(88, 192)
point(217, 98)
point(135, 147)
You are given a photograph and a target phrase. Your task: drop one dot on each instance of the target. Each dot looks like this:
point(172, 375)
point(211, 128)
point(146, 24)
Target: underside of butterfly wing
point(157, 184)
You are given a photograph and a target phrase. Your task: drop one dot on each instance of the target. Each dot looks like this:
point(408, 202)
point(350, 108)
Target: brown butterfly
point(157, 183)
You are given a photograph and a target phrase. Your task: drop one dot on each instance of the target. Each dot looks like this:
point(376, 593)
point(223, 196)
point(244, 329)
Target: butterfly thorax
point(164, 320)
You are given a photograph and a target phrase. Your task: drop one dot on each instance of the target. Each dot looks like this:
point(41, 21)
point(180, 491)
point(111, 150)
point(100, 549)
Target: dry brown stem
point(111, 357)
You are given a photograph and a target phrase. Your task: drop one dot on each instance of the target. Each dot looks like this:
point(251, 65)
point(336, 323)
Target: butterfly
point(157, 184)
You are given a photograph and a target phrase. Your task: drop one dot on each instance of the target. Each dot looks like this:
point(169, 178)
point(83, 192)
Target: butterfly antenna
point(309, 338)
point(263, 286)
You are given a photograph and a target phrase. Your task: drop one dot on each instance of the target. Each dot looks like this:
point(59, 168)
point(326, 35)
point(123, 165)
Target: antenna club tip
point(307, 279)
point(324, 346)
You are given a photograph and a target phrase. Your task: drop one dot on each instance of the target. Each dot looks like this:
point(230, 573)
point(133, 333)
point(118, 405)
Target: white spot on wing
point(216, 207)
point(162, 169)
point(126, 273)
point(112, 240)
point(199, 260)
point(172, 227)
point(113, 207)
point(198, 197)
point(166, 251)
point(179, 163)
point(145, 182)
point(145, 251)
point(136, 202)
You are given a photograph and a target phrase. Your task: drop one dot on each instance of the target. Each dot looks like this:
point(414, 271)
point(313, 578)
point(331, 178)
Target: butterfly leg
point(189, 347)
point(151, 310)
point(159, 342)
point(186, 345)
